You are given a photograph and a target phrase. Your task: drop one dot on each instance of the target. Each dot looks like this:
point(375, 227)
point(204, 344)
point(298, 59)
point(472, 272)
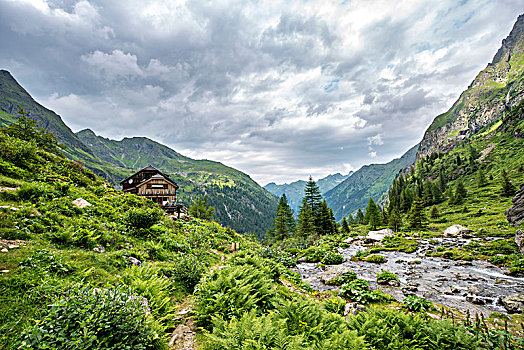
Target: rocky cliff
point(494, 91)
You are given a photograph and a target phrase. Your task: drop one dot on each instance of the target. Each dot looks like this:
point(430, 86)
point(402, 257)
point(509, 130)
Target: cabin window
point(157, 185)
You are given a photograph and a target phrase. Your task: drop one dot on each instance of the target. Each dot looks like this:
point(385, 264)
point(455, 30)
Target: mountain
point(369, 181)
point(295, 191)
point(239, 202)
point(491, 95)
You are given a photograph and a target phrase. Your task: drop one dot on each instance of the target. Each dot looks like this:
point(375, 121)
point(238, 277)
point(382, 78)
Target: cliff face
point(494, 91)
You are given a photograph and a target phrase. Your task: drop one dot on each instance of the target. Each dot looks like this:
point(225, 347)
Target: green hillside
point(239, 201)
point(370, 181)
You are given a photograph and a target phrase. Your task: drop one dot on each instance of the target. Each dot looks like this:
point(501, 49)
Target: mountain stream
point(477, 286)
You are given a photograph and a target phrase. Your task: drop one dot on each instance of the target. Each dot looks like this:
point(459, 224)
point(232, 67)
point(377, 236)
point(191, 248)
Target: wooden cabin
point(153, 184)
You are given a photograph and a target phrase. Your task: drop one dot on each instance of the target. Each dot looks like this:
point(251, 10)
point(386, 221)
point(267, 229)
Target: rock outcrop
point(332, 273)
point(377, 236)
point(514, 303)
point(519, 240)
point(456, 231)
point(515, 214)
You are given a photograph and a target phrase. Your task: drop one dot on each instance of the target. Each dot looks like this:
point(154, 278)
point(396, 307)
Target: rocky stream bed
point(477, 286)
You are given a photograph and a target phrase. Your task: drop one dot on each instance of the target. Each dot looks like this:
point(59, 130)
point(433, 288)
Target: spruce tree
point(395, 220)
point(507, 189)
point(334, 225)
point(437, 193)
point(460, 193)
point(284, 223)
point(360, 217)
point(313, 199)
point(351, 220)
point(306, 224)
point(427, 193)
point(345, 226)
point(442, 181)
point(434, 214)
point(417, 217)
point(481, 178)
point(372, 215)
point(325, 223)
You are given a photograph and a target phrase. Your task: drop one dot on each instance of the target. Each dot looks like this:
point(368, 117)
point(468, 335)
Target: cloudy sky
point(278, 89)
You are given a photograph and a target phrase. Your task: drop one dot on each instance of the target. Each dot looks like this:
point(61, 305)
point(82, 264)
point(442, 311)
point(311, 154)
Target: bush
point(188, 270)
point(345, 278)
point(143, 218)
point(332, 258)
point(31, 192)
point(376, 259)
point(335, 305)
point(417, 304)
point(387, 276)
point(385, 329)
point(86, 318)
point(230, 292)
point(297, 325)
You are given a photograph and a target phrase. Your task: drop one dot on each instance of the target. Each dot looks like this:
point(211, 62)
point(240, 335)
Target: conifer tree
point(434, 214)
point(351, 220)
point(442, 181)
point(372, 215)
point(313, 199)
point(507, 189)
point(360, 217)
point(284, 223)
point(306, 223)
point(437, 193)
point(417, 217)
point(395, 220)
point(427, 194)
point(345, 226)
point(334, 225)
point(199, 209)
point(460, 193)
point(481, 178)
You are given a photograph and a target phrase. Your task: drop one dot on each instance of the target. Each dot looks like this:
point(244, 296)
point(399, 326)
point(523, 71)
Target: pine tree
point(434, 214)
point(372, 215)
point(313, 199)
point(417, 217)
point(284, 223)
point(437, 193)
point(199, 209)
point(306, 224)
point(395, 220)
point(360, 217)
point(481, 178)
point(345, 226)
point(427, 194)
point(507, 189)
point(326, 225)
point(334, 225)
point(351, 220)
point(442, 181)
point(460, 193)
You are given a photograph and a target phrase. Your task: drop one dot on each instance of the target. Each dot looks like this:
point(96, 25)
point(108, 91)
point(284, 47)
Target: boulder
point(515, 214)
point(178, 334)
point(519, 240)
point(134, 261)
point(81, 203)
point(377, 236)
point(456, 230)
point(333, 272)
point(353, 308)
point(514, 303)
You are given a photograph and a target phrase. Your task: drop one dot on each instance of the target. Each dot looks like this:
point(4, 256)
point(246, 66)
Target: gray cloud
point(279, 91)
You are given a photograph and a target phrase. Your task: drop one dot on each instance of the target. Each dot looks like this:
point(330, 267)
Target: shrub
point(335, 305)
point(31, 192)
point(332, 258)
point(297, 325)
point(230, 292)
point(345, 278)
point(143, 218)
point(188, 270)
point(376, 259)
point(390, 329)
point(387, 276)
point(86, 318)
point(417, 304)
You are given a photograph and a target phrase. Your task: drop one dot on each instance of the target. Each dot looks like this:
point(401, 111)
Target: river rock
point(519, 240)
point(475, 300)
point(333, 272)
point(392, 283)
point(353, 308)
point(134, 261)
point(178, 334)
point(515, 214)
point(514, 303)
point(377, 236)
point(81, 203)
point(456, 230)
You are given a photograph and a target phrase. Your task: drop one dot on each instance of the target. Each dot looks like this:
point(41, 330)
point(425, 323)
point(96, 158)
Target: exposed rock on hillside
point(494, 91)
point(515, 214)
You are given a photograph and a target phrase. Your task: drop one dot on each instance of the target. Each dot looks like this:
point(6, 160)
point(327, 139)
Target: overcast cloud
point(279, 90)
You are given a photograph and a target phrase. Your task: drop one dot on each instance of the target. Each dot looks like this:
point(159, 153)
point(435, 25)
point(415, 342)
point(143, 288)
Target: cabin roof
point(157, 175)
